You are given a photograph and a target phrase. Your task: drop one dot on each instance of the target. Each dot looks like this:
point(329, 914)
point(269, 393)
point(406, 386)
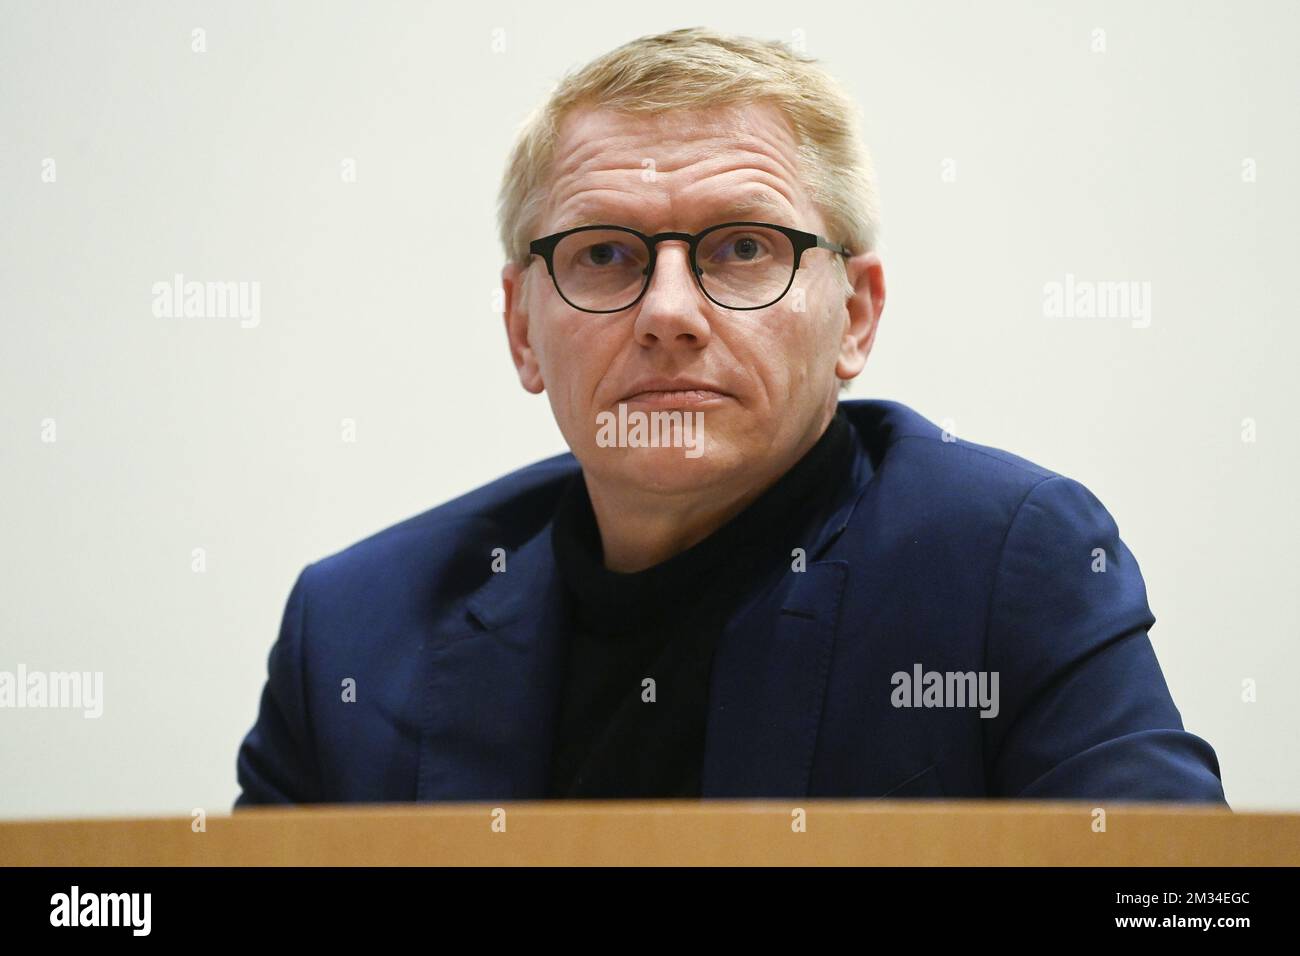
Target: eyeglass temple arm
point(824, 243)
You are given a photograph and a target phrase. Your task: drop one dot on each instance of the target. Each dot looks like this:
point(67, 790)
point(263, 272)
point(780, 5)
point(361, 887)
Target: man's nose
point(673, 312)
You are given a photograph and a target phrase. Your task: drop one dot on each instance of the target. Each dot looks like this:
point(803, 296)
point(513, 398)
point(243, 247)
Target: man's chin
point(661, 470)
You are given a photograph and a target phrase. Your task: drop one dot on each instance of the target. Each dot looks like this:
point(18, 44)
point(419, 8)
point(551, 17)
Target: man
point(734, 586)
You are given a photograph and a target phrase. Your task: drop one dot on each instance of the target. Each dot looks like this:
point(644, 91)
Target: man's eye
point(740, 248)
point(604, 254)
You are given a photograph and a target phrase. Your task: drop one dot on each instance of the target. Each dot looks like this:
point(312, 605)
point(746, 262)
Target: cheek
point(789, 350)
point(575, 356)
point(820, 331)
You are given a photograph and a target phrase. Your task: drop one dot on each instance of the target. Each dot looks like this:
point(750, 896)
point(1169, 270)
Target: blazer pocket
point(925, 783)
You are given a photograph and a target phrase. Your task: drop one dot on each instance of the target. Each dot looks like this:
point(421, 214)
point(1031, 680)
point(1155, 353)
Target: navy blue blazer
point(941, 555)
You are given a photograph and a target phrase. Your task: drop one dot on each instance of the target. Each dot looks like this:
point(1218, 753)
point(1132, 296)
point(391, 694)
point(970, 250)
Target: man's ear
point(516, 315)
point(867, 276)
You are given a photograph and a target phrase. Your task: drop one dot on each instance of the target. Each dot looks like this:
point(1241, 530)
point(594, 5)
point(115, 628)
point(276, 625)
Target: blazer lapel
point(494, 687)
point(769, 678)
point(770, 670)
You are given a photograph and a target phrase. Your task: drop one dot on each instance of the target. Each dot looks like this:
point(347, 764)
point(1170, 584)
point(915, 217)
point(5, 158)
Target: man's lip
point(687, 388)
point(674, 397)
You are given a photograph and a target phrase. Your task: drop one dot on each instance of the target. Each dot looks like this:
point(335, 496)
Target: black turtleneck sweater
point(619, 735)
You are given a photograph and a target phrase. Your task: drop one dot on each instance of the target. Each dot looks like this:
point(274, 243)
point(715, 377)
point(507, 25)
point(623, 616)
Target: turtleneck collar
point(761, 536)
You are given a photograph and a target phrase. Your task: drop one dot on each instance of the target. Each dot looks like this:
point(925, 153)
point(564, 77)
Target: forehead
point(677, 170)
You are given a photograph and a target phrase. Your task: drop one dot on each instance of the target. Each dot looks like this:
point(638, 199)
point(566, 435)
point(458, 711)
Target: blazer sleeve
point(276, 762)
point(1085, 712)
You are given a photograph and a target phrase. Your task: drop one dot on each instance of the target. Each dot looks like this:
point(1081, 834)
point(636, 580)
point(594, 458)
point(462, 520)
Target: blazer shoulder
point(505, 512)
point(909, 451)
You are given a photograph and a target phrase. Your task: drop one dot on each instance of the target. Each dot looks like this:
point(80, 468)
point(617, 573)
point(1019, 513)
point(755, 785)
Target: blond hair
point(696, 68)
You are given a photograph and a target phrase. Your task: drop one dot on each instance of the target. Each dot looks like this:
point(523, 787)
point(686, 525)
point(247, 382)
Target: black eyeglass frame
point(800, 240)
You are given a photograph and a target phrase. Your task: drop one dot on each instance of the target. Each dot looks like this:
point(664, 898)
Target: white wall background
point(377, 305)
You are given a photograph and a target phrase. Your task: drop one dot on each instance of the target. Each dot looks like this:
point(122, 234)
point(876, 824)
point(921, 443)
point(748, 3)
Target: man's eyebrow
point(754, 204)
point(740, 208)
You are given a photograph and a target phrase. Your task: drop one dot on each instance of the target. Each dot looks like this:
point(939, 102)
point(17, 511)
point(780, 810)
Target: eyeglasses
point(737, 265)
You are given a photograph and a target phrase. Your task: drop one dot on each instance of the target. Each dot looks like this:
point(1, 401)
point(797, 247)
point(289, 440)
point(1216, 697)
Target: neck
point(639, 528)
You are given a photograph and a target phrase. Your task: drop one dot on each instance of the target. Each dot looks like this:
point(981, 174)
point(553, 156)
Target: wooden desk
point(838, 832)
